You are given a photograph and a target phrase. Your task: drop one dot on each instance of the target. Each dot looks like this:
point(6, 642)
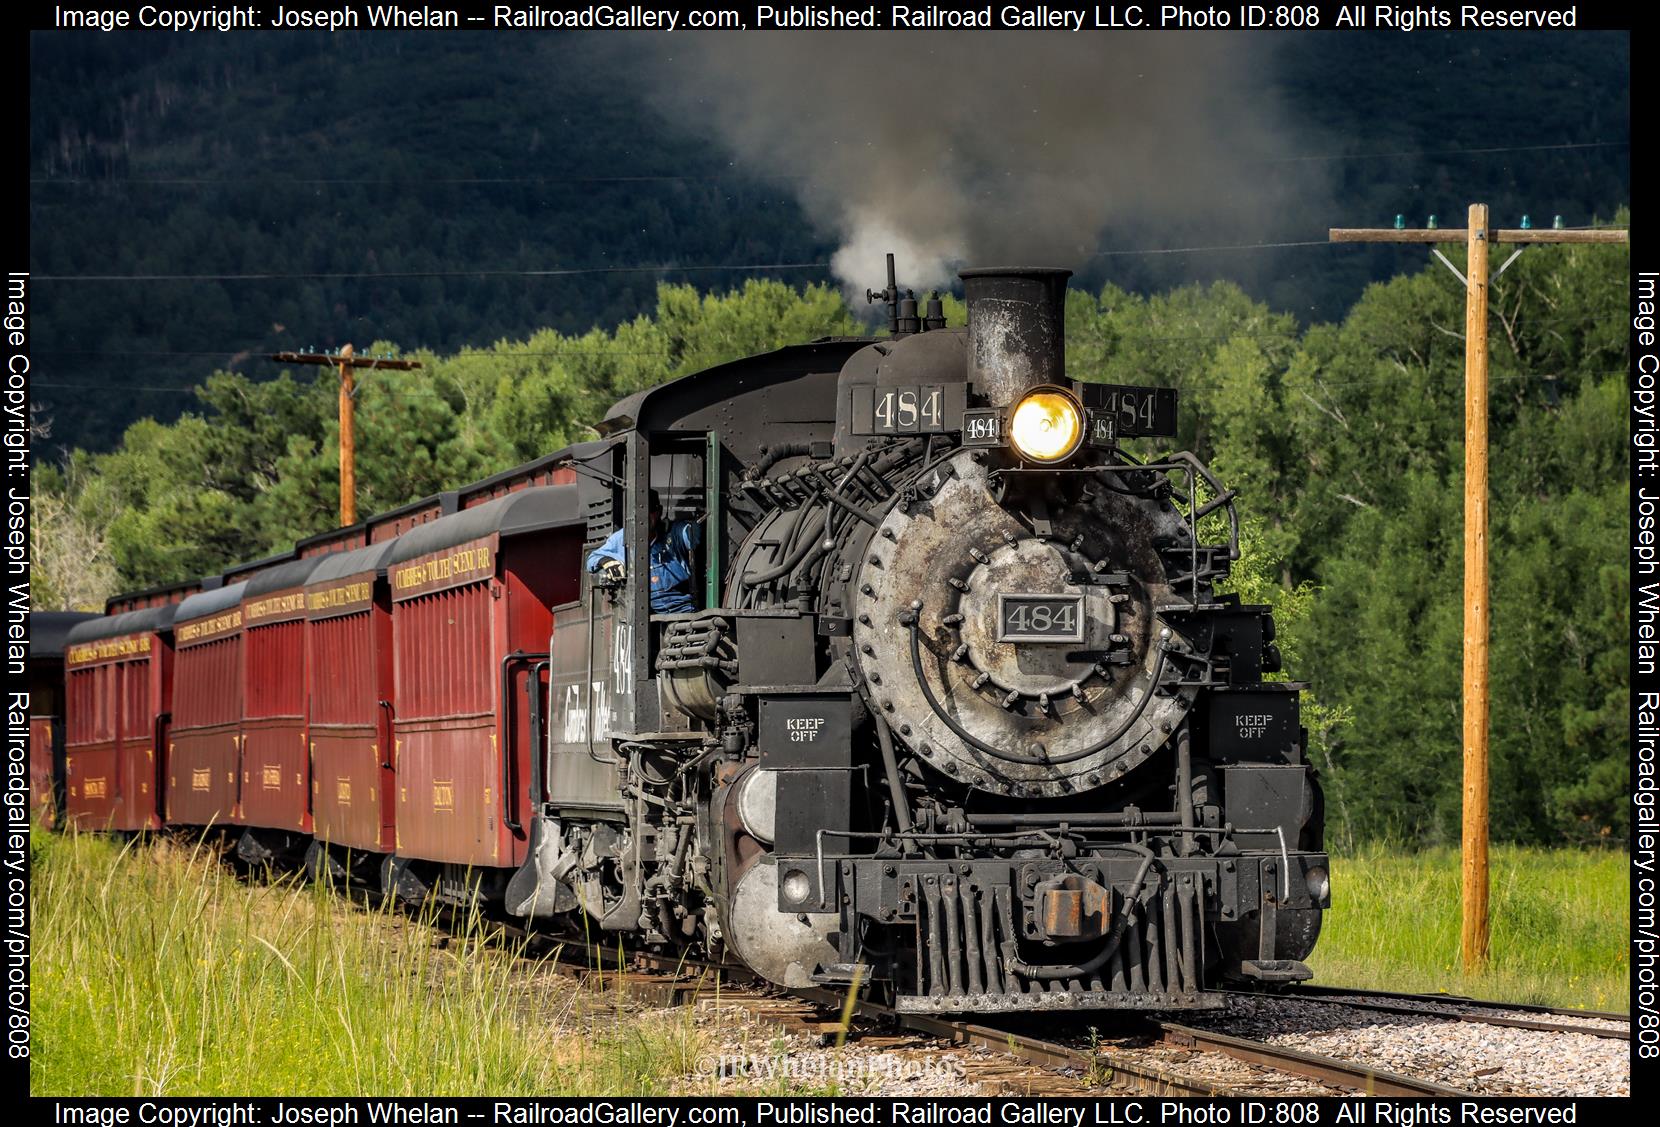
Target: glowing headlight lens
point(1047, 426)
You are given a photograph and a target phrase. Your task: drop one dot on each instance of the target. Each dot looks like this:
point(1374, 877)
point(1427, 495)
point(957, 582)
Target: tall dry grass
point(157, 972)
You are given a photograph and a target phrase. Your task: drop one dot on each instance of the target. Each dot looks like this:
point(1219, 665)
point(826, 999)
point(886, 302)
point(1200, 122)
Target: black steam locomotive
point(962, 717)
point(956, 713)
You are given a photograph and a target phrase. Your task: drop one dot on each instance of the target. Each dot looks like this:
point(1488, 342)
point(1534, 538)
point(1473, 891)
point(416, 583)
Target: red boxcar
point(349, 622)
point(118, 685)
point(471, 595)
point(204, 760)
point(276, 757)
point(48, 634)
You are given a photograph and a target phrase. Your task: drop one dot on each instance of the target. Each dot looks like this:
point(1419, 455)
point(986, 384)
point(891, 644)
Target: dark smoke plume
point(995, 149)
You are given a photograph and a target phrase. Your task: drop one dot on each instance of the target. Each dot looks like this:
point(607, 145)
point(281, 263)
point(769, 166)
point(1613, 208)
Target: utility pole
point(346, 363)
point(1477, 238)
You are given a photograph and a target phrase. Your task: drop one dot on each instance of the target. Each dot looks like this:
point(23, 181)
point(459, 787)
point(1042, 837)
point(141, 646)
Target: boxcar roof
point(294, 573)
point(339, 565)
point(531, 510)
point(248, 570)
point(49, 630)
point(210, 602)
point(150, 620)
point(191, 586)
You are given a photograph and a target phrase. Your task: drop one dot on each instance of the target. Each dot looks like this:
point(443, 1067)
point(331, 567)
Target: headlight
point(797, 886)
point(1047, 425)
point(1319, 884)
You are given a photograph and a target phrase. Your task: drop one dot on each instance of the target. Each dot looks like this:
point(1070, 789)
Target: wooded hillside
point(1344, 439)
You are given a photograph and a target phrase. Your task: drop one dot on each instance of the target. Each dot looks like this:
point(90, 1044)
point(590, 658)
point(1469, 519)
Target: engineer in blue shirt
point(671, 550)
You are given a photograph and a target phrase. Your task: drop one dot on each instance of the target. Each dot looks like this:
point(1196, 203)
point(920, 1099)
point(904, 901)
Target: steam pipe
point(807, 544)
point(776, 454)
point(890, 765)
point(1082, 819)
point(815, 525)
point(857, 510)
point(1184, 786)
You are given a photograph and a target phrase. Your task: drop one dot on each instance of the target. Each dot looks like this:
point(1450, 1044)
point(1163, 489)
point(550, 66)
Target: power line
point(561, 272)
point(1458, 152)
point(448, 181)
point(474, 273)
point(1195, 250)
point(723, 177)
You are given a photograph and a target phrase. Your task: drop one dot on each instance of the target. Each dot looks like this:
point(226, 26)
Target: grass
point(1560, 923)
point(156, 972)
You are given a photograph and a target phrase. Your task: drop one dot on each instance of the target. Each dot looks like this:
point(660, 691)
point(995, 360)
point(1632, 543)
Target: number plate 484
point(1040, 618)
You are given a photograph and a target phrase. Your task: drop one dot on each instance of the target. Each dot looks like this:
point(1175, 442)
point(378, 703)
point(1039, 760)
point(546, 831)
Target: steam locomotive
point(962, 718)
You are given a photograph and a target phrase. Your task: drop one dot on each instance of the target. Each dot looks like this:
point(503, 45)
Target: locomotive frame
point(852, 766)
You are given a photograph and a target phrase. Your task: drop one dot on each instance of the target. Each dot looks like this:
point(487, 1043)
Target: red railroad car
point(169, 594)
point(471, 595)
point(276, 754)
point(119, 683)
point(204, 751)
point(48, 633)
point(349, 623)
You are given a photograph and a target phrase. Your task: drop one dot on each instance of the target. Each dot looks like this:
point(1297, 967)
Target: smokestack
point(1016, 330)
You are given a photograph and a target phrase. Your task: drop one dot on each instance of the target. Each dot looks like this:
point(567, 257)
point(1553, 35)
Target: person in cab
point(673, 545)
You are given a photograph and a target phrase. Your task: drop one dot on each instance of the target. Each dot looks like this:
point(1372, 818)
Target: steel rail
point(1342, 998)
point(1453, 999)
point(1327, 1070)
point(1050, 1054)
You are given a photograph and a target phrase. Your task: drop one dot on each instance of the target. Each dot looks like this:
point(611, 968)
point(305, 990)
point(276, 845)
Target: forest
point(1344, 439)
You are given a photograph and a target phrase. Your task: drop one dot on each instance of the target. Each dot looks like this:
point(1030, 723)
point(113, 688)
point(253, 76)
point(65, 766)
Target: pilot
point(672, 545)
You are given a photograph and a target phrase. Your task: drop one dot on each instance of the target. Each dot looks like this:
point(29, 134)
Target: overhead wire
point(661, 268)
point(733, 177)
point(479, 272)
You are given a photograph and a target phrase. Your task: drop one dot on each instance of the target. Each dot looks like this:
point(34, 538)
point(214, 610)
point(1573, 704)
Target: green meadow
point(1560, 923)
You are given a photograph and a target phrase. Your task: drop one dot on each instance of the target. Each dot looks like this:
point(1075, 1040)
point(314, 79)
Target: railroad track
point(1455, 1007)
point(1138, 1063)
point(1466, 1045)
point(1125, 1063)
point(1353, 1076)
point(1144, 1054)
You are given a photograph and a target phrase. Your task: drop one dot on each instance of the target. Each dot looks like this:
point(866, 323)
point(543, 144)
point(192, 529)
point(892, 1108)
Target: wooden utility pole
point(348, 437)
point(346, 363)
point(1473, 932)
point(1478, 238)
